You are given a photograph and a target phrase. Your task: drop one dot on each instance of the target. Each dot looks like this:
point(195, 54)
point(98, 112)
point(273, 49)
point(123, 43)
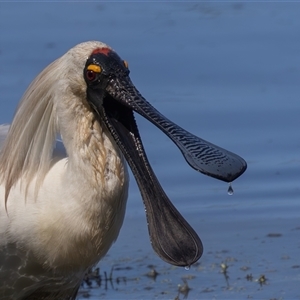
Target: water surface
point(228, 72)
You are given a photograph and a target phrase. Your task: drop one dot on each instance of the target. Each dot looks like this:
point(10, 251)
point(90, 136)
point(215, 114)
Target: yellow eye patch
point(94, 68)
point(125, 64)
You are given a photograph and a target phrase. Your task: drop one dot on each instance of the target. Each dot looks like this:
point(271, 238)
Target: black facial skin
point(111, 66)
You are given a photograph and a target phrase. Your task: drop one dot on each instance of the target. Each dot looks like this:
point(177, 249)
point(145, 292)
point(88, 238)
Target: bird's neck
point(92, 152)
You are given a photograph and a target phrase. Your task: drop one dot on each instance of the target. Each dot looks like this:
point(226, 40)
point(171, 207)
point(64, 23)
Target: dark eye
point(90, 75)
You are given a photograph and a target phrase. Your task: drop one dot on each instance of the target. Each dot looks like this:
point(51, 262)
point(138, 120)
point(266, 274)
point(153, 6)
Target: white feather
point(60, 210)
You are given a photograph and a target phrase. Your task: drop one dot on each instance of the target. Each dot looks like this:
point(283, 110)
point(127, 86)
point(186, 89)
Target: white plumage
point(63, 213)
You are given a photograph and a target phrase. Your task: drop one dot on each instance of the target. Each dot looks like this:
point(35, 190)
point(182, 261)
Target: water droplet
point(187, 267)
point(230, 190)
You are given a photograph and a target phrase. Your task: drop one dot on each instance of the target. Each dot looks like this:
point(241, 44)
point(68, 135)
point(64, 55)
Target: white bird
point(61, 210)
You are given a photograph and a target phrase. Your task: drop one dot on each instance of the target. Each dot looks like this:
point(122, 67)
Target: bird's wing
point(16, 265)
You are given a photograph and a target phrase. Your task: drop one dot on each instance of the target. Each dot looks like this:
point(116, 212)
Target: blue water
point(228, 72)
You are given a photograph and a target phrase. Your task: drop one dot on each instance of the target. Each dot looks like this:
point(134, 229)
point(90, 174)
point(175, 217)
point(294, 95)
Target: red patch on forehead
point(104, 51)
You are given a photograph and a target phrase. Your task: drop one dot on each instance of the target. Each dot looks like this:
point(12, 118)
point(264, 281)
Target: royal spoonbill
point(60, 211)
